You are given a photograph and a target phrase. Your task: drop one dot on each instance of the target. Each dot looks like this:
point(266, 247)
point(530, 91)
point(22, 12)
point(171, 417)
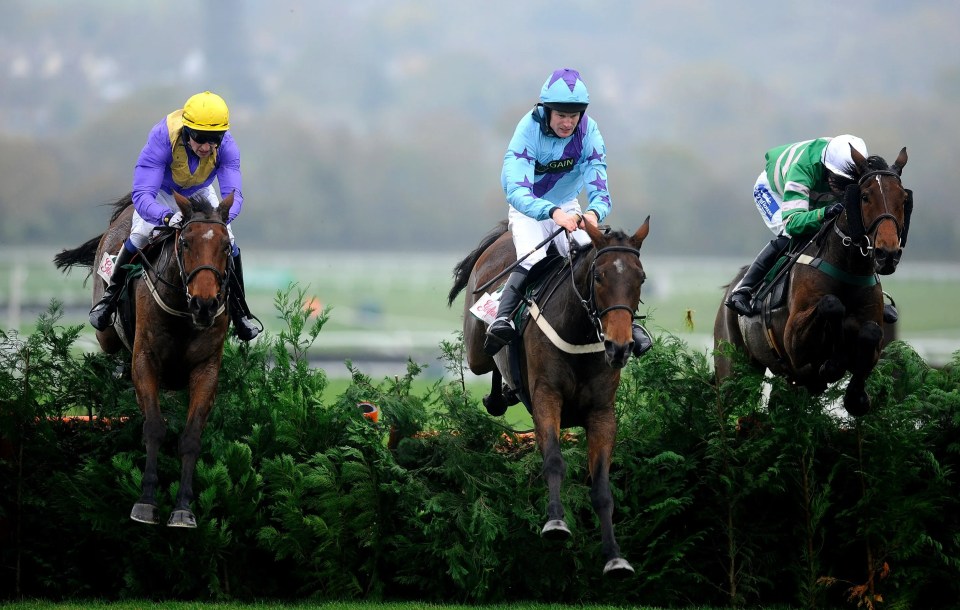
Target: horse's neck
point(564, 304)
point(165, 273)
point(847, 257)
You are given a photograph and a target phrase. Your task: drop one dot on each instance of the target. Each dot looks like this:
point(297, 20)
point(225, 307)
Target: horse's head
point(203, 253)
point(616, 275)
point(878, 210)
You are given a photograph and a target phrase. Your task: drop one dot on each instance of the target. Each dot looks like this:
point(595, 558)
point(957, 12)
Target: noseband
point(188, 277)
point(866, 246)
point(590, 303)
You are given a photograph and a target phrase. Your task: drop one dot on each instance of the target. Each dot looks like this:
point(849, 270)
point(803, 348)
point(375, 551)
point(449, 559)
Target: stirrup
point(498, 335)
point(742, 305)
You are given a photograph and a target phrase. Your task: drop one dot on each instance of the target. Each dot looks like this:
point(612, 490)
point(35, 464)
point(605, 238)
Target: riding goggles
point(204, 137)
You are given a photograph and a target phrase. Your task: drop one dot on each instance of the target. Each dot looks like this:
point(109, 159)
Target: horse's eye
point(597, 278)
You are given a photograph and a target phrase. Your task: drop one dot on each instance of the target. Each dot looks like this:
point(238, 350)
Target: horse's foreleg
point(601, 434)
point(813, 337)
point(154, 429)
point(203, 387)
point(867, 352)
point(546, 422)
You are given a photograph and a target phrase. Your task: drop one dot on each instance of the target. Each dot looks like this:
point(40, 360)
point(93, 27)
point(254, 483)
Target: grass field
point(388, 306)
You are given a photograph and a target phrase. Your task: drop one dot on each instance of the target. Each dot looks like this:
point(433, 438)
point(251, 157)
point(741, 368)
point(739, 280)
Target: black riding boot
point(741, 296)
point(641, 340)
point(502, 332)
point(101, 314)
point(890, 313)
point(239, 311)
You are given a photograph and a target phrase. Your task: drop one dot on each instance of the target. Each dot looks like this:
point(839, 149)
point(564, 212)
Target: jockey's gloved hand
point(174, 221)
point(834, 210)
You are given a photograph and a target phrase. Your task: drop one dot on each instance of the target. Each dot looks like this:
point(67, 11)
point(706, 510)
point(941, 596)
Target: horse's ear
point(595, 233)
point(183, 203)
point(901, 161)
point(224, 207)
point(641, 233)
point(858, 159)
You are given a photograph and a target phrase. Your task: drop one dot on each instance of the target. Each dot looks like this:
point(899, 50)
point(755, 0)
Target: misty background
point(381, 125)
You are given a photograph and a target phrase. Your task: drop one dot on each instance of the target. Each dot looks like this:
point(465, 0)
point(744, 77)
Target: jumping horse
point(179, 305)
point(831, 319)
point(570, 361)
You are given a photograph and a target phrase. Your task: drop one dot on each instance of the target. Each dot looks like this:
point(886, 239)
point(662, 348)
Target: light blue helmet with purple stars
point(564, 91)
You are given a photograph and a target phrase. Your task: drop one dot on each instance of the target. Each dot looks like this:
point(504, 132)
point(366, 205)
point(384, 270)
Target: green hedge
point(720, 500)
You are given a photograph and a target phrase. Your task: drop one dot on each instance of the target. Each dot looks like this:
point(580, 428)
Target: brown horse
point(571, 359)
point(181, 326)
point(831, 320)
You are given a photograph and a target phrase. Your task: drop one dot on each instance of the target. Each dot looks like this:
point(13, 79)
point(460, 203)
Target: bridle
point(187, 277)
point(862, 239)
point(590, 303)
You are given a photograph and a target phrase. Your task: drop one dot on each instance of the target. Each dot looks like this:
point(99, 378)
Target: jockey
point(185, 152)
point(555, 153)
point(800, 189)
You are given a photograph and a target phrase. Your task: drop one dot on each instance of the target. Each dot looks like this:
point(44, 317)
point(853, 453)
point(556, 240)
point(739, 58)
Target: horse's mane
point(201, 205)
point(461, 272)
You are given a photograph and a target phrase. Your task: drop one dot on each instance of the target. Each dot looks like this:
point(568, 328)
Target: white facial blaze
point(208, 235)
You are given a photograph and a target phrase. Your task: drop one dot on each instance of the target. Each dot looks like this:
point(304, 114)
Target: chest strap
point(838, 273)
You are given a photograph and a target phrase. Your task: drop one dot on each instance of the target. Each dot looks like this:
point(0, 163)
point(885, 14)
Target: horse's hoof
point(495, 407)
point(857, 405)
point(182, 518)
point(556, 530)
point(618, 567)
point(145, 513)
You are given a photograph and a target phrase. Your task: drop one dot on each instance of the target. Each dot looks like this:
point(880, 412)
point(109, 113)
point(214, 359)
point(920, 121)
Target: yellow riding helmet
point(206, 112)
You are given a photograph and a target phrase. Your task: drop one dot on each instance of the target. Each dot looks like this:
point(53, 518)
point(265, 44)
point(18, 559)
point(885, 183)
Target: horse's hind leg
point(601, 433)
point(855, 398)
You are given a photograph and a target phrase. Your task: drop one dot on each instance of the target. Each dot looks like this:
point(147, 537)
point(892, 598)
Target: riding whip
point(518, 261)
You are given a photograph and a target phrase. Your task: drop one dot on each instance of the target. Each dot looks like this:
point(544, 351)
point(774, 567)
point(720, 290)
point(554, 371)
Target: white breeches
point(528, 232)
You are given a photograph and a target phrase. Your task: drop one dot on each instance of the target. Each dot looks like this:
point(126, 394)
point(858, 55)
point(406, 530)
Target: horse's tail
point(83, 255)
point(121, 204)
point(461, 272)
point(86, 254)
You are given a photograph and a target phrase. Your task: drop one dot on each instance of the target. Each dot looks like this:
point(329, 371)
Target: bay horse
point(179, 333)
point(572, 378)
point(832, 318)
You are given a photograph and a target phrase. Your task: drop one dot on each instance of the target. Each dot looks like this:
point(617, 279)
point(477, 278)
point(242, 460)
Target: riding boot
point(501, 331)
point(641, 340)
point(740, 298)
point(239, 311)
point(101, 314)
